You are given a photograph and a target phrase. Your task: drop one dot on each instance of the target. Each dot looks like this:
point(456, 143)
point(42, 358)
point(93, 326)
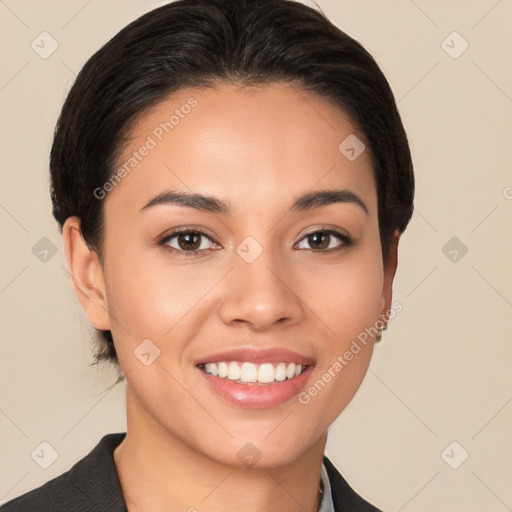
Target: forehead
point(247, 145)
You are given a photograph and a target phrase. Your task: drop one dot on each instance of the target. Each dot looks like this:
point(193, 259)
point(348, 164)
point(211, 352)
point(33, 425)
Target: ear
point(87, 274)
point(389, 274)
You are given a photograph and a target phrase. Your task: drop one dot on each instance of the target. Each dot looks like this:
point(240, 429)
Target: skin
point(257, 149)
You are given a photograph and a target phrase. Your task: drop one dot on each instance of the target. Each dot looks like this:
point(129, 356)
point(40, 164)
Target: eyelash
point(347, 241)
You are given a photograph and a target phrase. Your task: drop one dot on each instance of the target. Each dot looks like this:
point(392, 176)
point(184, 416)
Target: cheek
point(143, 290)
point(346, 300)
point(346, 296)
point(150, 297)
point(335, 383)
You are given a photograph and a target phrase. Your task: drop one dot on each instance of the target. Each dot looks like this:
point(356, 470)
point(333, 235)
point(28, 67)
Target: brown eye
point(319, 240)
point(326, 241)
point(188, 242)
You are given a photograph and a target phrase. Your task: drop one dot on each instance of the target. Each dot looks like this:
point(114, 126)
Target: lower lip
point(258, 396)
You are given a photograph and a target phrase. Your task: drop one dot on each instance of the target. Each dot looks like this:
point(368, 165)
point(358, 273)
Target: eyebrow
point(212, 204)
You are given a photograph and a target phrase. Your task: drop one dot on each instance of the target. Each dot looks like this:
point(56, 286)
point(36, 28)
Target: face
point(280, 262)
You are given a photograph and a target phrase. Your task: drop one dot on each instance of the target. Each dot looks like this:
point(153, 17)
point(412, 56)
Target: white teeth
point(211, 368)
point(266, 373)
point(249, 372)
point(223, 370)
point(280, 372)
point(233, 371)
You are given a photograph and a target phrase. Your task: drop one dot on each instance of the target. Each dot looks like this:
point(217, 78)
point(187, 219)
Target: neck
point(159, 472)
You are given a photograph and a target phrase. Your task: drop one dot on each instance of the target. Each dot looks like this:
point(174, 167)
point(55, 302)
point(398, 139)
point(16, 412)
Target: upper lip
point(257, 355)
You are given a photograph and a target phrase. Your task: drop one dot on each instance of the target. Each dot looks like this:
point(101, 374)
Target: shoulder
point(91, 484)
point(343, 496)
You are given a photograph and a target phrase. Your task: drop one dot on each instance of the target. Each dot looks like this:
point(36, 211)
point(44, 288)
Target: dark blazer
point(92, 485)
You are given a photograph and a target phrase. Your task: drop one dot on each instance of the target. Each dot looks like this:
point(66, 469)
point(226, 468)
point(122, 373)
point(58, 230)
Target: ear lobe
point(389, 274)
point(87, 274)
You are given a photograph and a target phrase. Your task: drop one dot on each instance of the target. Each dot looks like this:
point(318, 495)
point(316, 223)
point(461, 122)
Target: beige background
point(442, 373)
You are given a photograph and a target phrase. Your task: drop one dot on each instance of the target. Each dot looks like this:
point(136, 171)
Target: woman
point(231, 178)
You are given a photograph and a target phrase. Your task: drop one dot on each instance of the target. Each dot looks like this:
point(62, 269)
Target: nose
point(261, 294)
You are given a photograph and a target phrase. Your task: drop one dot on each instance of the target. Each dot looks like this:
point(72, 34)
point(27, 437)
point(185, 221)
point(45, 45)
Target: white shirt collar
point(327, 504)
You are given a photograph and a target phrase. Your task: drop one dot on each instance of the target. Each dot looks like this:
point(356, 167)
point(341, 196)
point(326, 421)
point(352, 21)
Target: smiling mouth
point(251, 373)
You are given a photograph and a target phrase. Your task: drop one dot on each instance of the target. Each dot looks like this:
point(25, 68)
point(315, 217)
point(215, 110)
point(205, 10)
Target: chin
point(260, 453)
